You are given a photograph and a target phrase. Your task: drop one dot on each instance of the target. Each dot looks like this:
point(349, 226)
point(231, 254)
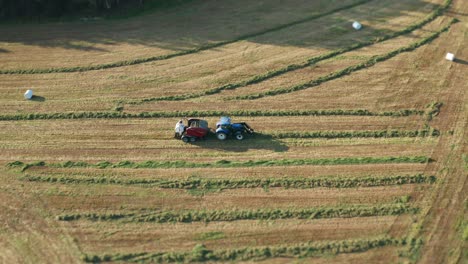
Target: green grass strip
point(181, 53)
point(189, 216)
point(225, 163)
point(222, 184)
point(202, 254)
point(178, 114)
point(338, 74)
point(311, 61)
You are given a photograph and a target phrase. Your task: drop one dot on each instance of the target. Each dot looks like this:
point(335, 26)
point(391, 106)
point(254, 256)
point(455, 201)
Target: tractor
point(225, 128)
point(196, 129)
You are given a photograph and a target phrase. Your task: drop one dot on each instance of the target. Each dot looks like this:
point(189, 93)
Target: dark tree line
point(57, 8)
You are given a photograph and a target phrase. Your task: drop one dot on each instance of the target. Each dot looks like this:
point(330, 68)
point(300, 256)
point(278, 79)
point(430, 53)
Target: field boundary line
point(292, 67)
point(178, 54)
point(347, 71)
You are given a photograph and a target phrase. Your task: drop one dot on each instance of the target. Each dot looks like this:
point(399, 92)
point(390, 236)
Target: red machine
point(196, 129)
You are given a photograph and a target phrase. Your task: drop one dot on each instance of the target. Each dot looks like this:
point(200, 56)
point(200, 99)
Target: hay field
point(359, 155)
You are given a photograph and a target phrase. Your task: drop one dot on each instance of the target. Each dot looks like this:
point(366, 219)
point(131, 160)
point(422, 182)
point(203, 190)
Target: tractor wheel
point(193, 139)
point(185, 139)
point(221, 136)
point(239, 136)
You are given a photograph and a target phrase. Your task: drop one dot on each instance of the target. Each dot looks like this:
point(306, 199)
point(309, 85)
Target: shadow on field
point(459, 61)
point(4, 51)
point(251, 142)
point(37, 98)
point(201, 22)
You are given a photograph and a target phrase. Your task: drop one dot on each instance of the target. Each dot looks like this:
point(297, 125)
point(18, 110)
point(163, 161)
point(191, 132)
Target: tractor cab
point(196, 129)
point(225, 128)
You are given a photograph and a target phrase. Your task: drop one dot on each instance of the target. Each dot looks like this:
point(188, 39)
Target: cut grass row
point(338, 74)
point(222, 184)
point(182, 114)
point(311, 61)
point(181, 53)
point(189, 216)
point(359, 134)
point(225, 163)
point(200, 253)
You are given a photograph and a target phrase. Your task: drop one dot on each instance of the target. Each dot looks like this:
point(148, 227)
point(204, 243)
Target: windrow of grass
point(310, 61)
point(200, 253)
point(181, 114)
point(360, 134)
point(224, 163)
point(181, 53)
point(189, 216)
point(433, 110)
point(338, 74)
point(222, 184)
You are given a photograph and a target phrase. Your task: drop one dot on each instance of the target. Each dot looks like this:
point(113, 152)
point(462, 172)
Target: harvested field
point(359, 154)
point(176, 237)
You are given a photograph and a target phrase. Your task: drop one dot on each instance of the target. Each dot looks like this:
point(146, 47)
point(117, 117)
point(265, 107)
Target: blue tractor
point(224, 129)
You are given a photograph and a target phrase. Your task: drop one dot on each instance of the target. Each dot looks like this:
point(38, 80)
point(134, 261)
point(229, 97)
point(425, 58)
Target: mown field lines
point(347, 160)
point(117, 138)
point(176, 154)
point(111, 198)
point(337, 74)
point(201, 253)
point(311, 61)
point(184, 114)
point(222, 184)
point(350, 166)
point(189, 216)
point(332, 8)
point(99, 237)
point(162, 128)
point(181, 174)
point(120, 85)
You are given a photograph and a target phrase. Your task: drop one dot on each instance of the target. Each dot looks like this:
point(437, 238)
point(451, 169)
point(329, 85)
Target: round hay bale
point(357, 25)
point(450, 56)
point(28, 94)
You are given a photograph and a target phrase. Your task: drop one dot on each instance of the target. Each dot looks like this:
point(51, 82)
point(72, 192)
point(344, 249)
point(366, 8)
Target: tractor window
point(193, 123)
point(203, 124)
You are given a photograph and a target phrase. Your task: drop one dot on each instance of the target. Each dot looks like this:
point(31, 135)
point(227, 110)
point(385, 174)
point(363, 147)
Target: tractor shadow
point(256, 141)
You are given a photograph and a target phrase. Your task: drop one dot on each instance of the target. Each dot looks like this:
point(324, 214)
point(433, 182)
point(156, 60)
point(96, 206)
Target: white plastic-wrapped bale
point(450, 57)
point(225, 120)
point(28, 94)
point(357, 25)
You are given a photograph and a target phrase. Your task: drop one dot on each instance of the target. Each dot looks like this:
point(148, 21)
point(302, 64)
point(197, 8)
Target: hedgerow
point(177, 54)
point(251, 113)
point(221, 184)
point(201, 253)
point(190, 216)
point(233, 164)
point(311, 61)
point(338, 74)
